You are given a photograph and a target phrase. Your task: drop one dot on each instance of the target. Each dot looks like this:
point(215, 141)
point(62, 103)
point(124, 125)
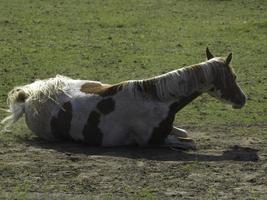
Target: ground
point(112, 41)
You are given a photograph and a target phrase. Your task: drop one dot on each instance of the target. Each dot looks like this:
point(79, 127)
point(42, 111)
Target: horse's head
point(224, 85)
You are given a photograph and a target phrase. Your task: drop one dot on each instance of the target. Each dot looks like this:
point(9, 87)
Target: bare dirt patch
point(32, 168)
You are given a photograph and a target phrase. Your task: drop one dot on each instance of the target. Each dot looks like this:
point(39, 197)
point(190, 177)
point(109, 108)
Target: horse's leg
point(180, 143)
point(178, 132)
point(178, 138)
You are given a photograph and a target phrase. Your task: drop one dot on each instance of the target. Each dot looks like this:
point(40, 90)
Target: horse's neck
point(180, 83)
point(182, 102)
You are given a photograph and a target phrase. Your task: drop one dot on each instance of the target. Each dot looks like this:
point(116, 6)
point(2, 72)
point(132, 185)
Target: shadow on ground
point(235, 153)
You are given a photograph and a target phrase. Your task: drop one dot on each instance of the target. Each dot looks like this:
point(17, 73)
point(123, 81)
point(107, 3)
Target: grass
point(112, 41)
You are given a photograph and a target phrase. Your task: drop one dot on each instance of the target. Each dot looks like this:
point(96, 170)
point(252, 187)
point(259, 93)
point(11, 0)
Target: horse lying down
point(128, 113)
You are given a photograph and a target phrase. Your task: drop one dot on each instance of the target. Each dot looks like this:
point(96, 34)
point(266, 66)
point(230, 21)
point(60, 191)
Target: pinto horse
point(128, 113)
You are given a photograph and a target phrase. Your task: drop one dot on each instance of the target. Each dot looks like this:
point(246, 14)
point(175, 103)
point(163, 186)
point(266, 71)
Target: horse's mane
point(178, 83)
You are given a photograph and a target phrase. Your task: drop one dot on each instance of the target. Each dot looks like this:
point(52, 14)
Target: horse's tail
point(34, 94)
point(16, 101)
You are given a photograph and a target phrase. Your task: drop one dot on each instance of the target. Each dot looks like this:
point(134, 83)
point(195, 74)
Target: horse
point(133, 112)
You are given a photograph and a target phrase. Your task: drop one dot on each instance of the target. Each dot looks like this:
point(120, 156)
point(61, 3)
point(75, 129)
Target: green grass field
point(112, 41)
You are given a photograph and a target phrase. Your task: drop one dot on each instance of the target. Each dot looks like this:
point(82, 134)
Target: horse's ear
point(208, 53)
point(228, 59)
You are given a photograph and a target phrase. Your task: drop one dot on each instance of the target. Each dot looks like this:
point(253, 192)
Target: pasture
point(112, 41)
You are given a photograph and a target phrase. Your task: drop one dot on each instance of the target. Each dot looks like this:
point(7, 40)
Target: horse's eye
point(234, 77)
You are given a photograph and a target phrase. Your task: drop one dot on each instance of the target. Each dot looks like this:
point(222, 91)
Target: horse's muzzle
point(240, 103)
point(237, 106)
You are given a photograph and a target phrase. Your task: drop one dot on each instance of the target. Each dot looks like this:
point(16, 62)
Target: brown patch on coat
point(106, 106)
point(147, 88)
point(94, 88)
point(196, 74)
point(91, 132)
point(61, 124)
point(93, 135)
point(101, 89)
point(160, 133)
point(22, 96)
